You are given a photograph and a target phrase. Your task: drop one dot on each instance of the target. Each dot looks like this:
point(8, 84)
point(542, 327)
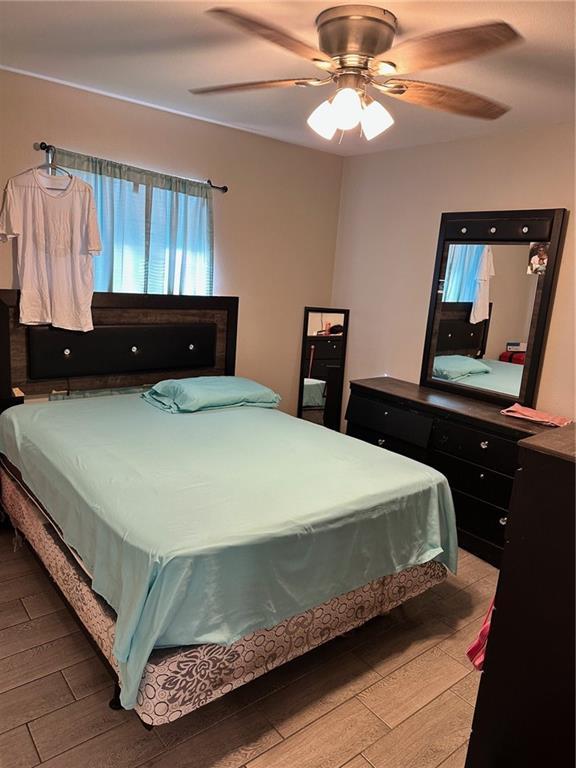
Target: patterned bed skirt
point(177, 681)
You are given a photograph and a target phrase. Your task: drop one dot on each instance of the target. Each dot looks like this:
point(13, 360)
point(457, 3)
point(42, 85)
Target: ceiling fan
point(355, 52)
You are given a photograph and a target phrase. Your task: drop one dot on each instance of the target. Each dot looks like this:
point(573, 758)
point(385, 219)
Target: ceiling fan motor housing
point(355, 32)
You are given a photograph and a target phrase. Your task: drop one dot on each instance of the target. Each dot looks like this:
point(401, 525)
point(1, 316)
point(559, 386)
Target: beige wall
point(275, 229)
point(512, 293)
point(388, 229)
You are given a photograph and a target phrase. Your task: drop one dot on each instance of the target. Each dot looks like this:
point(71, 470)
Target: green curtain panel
point(157, 230)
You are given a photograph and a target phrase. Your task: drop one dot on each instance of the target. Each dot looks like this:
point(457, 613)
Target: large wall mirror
point(491, 301)
point(324, 338)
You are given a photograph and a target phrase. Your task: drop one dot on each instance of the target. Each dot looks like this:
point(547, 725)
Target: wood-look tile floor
point(397, 692)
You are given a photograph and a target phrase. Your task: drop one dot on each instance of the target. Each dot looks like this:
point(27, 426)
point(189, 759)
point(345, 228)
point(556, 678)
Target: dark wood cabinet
point(469, 441)
point(525, 710)
point(322, 353)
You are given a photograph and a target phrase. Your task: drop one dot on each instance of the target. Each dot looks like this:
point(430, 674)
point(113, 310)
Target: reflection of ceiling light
point(345, 111)
point(322, 121)
point(375, 120)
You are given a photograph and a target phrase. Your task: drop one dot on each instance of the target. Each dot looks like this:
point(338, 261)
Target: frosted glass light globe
point(322, 120)
point(347, 109)
point(375, 119)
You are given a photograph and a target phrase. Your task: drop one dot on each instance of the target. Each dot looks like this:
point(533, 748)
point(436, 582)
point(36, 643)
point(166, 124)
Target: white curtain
point(156, 230)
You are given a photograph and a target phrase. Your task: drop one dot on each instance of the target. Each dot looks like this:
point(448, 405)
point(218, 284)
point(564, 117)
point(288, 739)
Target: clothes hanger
point(50, 150)
point(52, 169)
point(48, 165)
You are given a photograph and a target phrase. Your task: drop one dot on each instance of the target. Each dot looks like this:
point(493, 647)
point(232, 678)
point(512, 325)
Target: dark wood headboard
point(457, 335)
point(137, 340)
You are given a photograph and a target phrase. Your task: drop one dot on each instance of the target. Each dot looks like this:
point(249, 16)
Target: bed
point(496, 376)
point(456, 336)
point(201, 550)
point(314, 393)
point(503, 377)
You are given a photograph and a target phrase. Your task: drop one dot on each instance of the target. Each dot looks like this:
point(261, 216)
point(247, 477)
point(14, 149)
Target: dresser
point(323, 359)
point(321, 354)
point(525, 709)
point(468, 440)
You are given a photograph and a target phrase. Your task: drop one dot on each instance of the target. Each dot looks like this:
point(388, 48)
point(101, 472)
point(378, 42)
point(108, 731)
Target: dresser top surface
point(433, 399)
point(560, 442)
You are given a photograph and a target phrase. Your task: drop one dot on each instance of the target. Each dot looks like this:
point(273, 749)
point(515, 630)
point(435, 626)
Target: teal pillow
point(453, 367)
point(205, 392)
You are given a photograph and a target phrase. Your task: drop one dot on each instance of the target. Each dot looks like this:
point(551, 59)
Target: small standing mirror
point(322, 365)
point(491, 300)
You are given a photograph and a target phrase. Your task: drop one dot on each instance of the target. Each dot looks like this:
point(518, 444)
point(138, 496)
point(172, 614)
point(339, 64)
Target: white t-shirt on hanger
point(55, 221)
point(481, 306)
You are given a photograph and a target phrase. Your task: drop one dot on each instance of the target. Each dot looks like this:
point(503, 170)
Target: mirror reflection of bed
point(322, 366)
point(488, 296)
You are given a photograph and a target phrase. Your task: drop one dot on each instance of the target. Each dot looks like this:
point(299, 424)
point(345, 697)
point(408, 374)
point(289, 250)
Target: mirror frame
point(307, 312)
point(547, 225)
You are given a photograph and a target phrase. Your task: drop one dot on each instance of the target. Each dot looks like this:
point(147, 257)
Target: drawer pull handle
point(484, 444)
point(385, 413)
point(381, 441)
point(503, 520)
point(482, 475)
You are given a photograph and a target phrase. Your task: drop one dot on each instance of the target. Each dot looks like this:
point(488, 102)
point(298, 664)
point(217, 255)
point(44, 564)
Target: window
point(462, 266)
point(156, 230)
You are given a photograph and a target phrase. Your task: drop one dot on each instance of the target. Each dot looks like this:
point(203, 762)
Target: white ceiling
point(153, 52)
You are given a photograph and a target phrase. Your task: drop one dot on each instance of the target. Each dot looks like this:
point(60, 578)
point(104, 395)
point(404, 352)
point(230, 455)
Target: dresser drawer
point(478, 447)
point(325, 347)
point(390, 420)
point(322, 369)
point(483, 549)
point(480, 518)
point(388, 443)
point(482, 483)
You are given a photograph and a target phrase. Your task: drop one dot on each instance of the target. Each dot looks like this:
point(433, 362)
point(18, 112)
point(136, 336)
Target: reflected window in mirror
point(322, 366)
point(490, 305)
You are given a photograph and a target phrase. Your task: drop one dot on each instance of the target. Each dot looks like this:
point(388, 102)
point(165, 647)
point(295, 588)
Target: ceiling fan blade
point(452, 45)
point(442, 97)
point(275, 35)
point(258, 84)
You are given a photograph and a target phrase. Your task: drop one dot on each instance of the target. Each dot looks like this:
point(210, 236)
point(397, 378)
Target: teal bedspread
point(200, 527)
point(503, 377)
point(313, 394)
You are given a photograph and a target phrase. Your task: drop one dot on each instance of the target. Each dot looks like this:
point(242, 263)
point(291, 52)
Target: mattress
point(177, 681)
point(503, 377)
point(201, 528)
point(314, 393)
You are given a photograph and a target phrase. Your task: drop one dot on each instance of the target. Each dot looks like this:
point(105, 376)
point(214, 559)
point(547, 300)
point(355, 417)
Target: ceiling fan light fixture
point(322, 121)
point(375, 120)
point(347, 108)
point(385, 68)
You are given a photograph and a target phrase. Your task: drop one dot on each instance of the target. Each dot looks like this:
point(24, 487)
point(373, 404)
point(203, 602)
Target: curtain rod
point(50, 150)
